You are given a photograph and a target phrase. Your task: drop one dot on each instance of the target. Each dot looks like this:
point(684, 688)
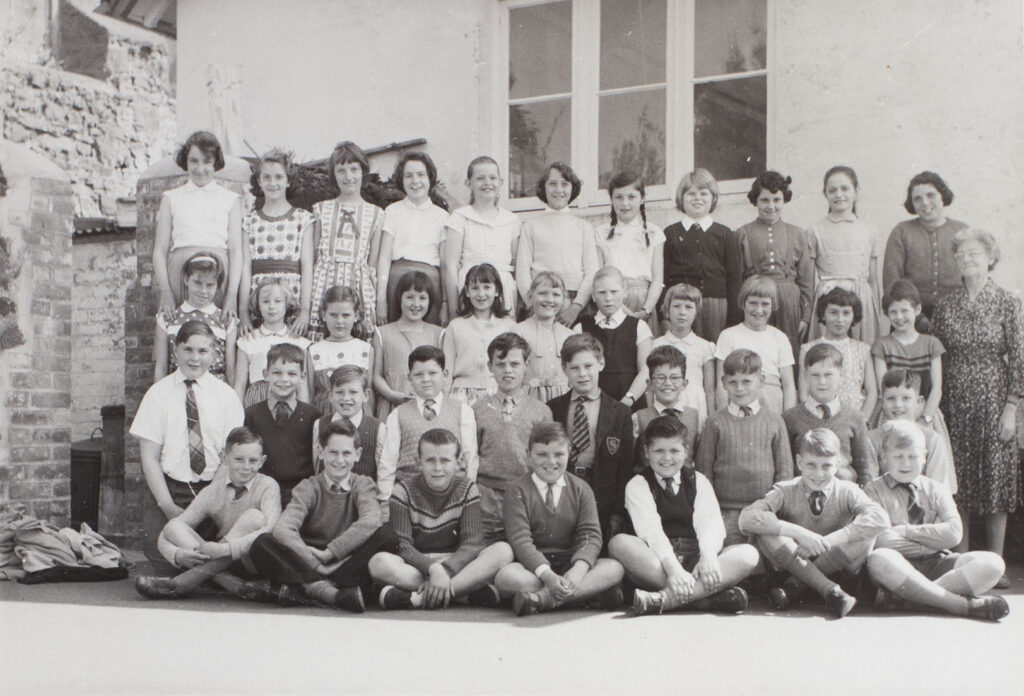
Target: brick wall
point(103, 269)
point(36, 414)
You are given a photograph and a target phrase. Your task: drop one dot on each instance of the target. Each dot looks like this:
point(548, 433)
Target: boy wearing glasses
point(666, 366)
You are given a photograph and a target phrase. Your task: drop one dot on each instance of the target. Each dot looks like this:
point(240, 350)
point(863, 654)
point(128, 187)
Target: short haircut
point(819, 442)
point(901, 289)
point(482, 273)
point(203, 262)
point(291, 302)
point(421, 157)
point(986, 238)
point(422, 354)
point(241, 436)
point(666, 355)
point(438, 437)
point(338, 427)
point(680, 291)
point(759, 286)
point(348, 152)
point(191, 328)
point(927, 178)
point(275, 156)
point(665, 427)
point(350, 373)
point(418, 281)
point(566, 171)
point(770, 181)
point(578, 343)
point(823, 352)
point(840, 297)
point(901, 377)
point(207, 143)
point(547, 432)
point(286, 353)
point(902, 434)
point(697, 179)
point(504, 342)
point(610, 272)
point(742, 361)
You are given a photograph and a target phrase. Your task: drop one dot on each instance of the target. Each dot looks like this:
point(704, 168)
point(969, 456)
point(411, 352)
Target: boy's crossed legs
point(473, 581)
point(643, 567)
point(566, 583)
point(951, 582)
point(815, 573)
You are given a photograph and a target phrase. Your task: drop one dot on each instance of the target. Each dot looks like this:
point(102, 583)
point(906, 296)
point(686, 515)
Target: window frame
point(680, 82)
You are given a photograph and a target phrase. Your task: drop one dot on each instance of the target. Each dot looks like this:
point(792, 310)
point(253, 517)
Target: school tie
point(549, 498)
point(238, 489)
point(696, 228)
point(506, 409)
point(348, 421)
point(429, 412)
point(817, 503)
point(580, 439)
point(670, 488)
point(746, 411)
point(282, 412)
point(915, 513)
point(196, 454)
point(674, 412)
point(826, 412)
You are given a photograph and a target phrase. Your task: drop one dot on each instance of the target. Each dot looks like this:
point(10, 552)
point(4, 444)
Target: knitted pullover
point(319, 518)
point(428, 521)
point(502, 444)
point(852, 429)
point(744, 456)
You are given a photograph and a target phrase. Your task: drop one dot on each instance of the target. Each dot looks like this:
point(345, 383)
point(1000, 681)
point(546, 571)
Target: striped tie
point(196, 455)
point(915, 513)
point(549, 498)
point(580, 438)
point(238, 489)
point(429, 412)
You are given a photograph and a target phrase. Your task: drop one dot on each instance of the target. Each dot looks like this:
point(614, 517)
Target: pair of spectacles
point(662, 379)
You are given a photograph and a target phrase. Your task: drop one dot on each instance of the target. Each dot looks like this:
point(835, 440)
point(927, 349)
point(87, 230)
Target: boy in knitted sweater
point(823, 365)
point(745, 448)
point(815, 526)
point(503, 424)
point(326, 536)
point(441, 550)
point(676, 557)
point(552, 525)
point(242, 505)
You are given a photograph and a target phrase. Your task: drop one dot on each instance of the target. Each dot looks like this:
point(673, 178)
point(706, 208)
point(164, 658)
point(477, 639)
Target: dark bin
point(86, 461)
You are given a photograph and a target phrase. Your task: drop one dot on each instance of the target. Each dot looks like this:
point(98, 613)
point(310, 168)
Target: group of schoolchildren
point(635, 436)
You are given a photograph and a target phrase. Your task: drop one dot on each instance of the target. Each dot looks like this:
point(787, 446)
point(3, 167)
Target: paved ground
point(103, 638)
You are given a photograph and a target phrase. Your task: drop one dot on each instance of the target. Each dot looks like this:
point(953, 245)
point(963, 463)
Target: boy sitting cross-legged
point(441, 550)
point(676, 557)
point(551, 523)
point(815, 526)
point(326, 536)
point(242, 505)
point(911, 561)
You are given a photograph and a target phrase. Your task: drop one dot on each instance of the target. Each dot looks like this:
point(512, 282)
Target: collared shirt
point(814, 406)
point(417, 230)
point(343, 485)
point(161, 419)
point(556, 493)
point(941, 527)
point(643, 331)
point(272, 403)
point(592, 407)
point(631, 247)
point(707, 517)
point(200, 215)
point(688, 222)
point(356, 420)
point(754, 406)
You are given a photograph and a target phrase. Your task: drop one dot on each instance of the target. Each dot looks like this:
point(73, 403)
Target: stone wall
point(102, 132)
point(35, 378)
point(104, 267)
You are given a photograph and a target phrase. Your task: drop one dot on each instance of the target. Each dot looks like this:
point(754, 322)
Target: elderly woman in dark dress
point(982, 327)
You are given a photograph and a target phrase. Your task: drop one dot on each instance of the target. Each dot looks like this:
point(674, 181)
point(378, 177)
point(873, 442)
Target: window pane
point(631, 130)
point(730, 36)
point(632, 42)
point(538, 135)
point(540, 50)
point(729, 127)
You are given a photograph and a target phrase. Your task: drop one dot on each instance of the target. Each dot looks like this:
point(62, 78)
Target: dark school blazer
point(613, 457)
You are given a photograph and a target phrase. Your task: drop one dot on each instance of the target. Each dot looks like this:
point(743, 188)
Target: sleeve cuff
point(539, 570)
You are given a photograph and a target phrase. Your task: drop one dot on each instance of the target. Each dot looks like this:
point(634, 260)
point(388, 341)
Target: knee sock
point(915, 587)
point(194, 577)
point(803, 570)
point(967, 580)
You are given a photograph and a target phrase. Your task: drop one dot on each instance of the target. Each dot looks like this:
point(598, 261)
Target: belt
point(581, 471)
point(275, 266)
